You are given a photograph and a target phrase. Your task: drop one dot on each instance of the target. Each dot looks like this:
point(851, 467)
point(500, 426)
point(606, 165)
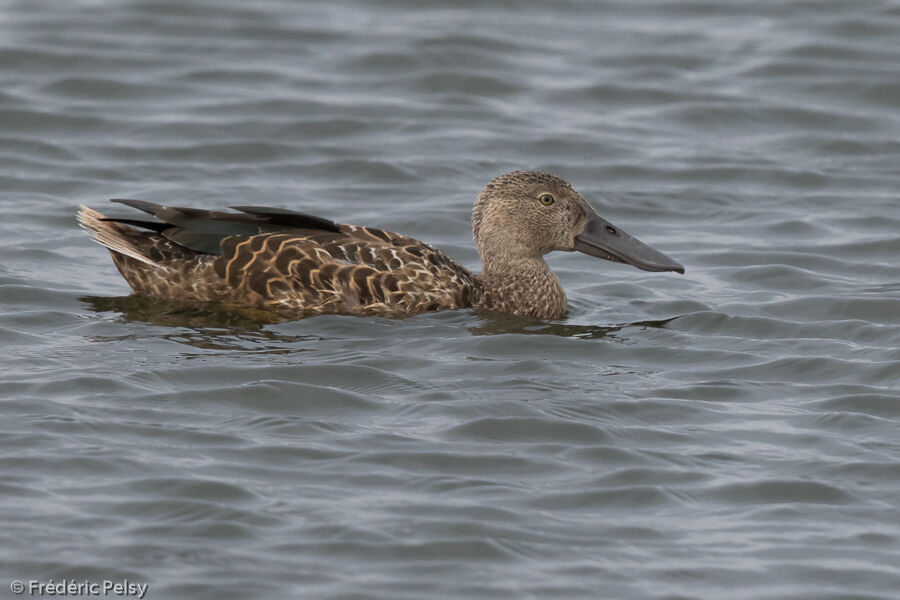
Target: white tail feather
point(109, 234)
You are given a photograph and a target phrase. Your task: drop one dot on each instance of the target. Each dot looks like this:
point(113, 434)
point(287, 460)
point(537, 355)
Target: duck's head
point(526, 214)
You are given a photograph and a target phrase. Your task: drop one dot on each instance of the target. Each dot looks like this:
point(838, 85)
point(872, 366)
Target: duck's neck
point(523, 287)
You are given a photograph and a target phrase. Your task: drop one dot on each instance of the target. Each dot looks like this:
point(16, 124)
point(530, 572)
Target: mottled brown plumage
point(274, 258)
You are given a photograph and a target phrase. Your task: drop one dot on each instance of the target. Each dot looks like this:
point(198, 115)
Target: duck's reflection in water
point(204, 325)
point(210, 325)
point(502, 324)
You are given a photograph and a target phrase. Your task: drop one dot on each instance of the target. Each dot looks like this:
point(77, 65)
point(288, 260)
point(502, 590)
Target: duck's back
point(276, 258)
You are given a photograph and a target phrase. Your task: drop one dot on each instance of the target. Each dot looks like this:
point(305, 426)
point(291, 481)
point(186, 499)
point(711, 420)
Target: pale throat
point(524, 284)
point(502, 255)
point(515, 276)
point(507, 266)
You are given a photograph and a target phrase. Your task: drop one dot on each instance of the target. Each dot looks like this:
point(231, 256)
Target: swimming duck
point(280, 259)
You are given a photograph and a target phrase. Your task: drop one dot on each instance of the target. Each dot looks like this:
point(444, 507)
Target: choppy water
point(730, 433)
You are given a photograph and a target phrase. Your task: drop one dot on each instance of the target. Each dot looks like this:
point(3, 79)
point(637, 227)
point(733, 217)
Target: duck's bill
point(604, 240)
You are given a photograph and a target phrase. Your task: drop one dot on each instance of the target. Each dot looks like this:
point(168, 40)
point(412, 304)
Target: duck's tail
point(115, 236)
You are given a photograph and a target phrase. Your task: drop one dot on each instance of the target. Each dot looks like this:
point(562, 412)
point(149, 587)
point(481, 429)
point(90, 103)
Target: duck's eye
point(546, 199)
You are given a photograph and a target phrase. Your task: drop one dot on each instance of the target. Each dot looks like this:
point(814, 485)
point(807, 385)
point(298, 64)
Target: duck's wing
point(203, 230)
point(267, 255)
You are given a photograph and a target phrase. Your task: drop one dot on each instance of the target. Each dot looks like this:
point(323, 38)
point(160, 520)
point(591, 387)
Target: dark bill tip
point(602, 239)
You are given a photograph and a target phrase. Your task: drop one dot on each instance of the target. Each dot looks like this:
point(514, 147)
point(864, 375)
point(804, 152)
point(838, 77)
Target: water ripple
point(728, 432)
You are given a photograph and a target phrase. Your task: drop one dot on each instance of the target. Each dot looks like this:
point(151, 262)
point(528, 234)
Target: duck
point(283, 260)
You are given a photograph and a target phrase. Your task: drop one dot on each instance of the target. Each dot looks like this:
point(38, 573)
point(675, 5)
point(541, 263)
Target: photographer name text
point(71, 587)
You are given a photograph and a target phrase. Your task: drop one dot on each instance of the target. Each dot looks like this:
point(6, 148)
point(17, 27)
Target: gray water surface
point(729, 433)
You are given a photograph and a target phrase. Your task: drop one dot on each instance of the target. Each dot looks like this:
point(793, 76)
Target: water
point(729, 433)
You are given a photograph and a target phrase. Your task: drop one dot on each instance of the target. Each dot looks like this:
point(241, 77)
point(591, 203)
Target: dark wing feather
point(204, 230)
point(289, 218)
point(151, 208)
point(198, 241)
point(151, 225)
